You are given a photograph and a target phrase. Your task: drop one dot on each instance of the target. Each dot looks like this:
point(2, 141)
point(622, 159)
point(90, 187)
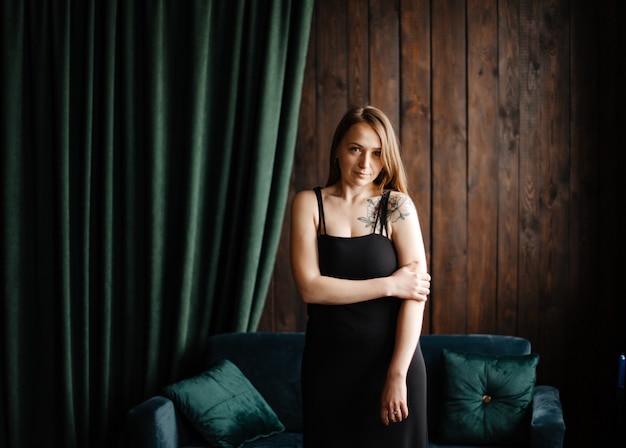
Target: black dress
point(348, 350)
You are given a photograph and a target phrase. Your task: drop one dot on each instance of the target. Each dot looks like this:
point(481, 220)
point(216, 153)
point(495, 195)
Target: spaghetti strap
point(321, 227)
point(383, 210)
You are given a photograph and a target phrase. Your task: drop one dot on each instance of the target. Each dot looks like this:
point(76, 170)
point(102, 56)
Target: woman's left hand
point(393, 408)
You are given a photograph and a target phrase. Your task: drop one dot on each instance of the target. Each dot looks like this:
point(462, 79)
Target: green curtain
point(146, 150)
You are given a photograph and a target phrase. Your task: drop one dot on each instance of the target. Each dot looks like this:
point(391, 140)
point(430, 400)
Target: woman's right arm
point(405, 283)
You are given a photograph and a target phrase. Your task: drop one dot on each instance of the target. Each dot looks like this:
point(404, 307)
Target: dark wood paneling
point(508, 166)
point(529, 169)
point(385, 57)
point(357, 33)
point(449, 168)
point(482, 165)
point(508, 112)
point(415, 130)
point(554, 192)
point(332, 78)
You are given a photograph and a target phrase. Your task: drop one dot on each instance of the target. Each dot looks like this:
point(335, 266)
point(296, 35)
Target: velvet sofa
point(271, 363)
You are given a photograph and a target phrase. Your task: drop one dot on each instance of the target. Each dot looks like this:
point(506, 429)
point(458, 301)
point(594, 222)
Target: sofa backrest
point(271, 361)
point(432, 348)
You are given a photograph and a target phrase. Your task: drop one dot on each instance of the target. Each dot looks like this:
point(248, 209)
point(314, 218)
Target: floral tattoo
point(397, 209)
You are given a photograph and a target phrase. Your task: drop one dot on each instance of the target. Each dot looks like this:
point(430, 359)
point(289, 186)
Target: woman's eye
point(377, 153)
point(354, 149)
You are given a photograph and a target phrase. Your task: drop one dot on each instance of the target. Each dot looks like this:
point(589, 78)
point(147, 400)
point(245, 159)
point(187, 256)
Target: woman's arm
point(407, 237)
point(406, 283)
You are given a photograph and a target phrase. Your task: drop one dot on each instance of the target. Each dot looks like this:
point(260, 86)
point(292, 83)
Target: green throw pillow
point(224, 406)
point(486, 398)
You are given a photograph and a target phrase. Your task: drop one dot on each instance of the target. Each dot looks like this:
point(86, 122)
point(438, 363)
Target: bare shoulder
point(304, 206)
point(400, 207)
point(304, 198)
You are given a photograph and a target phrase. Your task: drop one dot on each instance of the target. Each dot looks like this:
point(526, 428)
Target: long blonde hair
point(393, 175)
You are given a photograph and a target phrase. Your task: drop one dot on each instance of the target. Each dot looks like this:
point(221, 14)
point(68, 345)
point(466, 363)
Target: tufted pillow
point(224, 406)
point(486, 398)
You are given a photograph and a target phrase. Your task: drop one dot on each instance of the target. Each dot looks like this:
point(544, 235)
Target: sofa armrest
point(152, 424)
point(547, 427)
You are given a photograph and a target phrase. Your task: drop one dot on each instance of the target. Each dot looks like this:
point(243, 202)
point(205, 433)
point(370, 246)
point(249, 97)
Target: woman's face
point(359, 155)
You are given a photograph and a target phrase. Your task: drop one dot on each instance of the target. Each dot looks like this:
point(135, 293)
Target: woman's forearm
point(335, 291)
point(408, 331)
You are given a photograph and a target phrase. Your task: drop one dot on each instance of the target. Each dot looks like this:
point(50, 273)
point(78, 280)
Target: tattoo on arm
point(397, 209)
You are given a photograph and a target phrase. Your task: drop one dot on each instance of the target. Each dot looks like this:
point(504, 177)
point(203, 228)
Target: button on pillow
point(486, 398)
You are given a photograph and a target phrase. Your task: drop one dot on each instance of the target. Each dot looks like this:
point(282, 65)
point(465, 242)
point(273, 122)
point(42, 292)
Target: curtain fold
point(146, 150)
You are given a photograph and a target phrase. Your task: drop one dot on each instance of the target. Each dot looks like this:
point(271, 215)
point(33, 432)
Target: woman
point(359, 263)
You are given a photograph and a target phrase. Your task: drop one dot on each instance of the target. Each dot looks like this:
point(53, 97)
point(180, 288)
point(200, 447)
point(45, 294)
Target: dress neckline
point(380, 223)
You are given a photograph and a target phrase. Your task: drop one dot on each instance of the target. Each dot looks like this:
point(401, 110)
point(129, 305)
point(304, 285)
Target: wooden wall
point(508, 113)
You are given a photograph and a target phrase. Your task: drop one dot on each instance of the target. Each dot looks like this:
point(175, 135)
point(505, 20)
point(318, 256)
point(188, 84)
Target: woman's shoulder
point(397, 197)
point(399, 204)
point(304, 197)
point(310, 193)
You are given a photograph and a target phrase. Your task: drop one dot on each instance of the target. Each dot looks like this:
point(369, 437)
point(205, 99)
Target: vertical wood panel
point(529, 175)
point(449, 210)
point(482, 165)
point(306, 172)
point(415, 113)
point(508, 183)
point(332, 95)
point(385, 58)
point(358, 52)
point(554, 187)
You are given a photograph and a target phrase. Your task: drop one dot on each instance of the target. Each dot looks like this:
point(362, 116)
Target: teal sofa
point(271, 362)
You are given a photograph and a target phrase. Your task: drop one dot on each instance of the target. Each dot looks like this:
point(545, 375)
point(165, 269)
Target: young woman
point(359, 263)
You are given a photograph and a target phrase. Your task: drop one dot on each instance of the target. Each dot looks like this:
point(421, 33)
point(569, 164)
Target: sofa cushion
point(432, 346)
point(272, 363)
point(486, 398)
point(224, 407)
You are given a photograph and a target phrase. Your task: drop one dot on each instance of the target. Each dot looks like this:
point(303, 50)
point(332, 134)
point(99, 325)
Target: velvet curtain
point(146, 149)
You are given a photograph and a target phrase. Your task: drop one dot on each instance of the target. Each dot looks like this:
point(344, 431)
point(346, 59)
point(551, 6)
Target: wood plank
point(415, 136)
point(554, 195)
point(358, 52)
point(508, 183)
point(306, 173)
point(449, 198)
point(530, 157)
point(385, 58)
point(482, 165)
point(331, 60)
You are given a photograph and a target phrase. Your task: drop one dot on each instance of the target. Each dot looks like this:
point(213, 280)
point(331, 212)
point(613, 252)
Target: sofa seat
point(282, 440)
point(271, 362)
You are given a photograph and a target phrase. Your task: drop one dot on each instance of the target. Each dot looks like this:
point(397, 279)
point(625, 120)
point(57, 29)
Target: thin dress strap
point(321, 227)
point(383, 209)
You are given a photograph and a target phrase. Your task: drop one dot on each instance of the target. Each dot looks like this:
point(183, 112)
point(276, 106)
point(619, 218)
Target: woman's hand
point(411, 284)
point(393, 407)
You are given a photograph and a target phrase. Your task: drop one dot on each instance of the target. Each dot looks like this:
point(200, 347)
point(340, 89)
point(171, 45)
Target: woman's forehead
point(362, 134)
